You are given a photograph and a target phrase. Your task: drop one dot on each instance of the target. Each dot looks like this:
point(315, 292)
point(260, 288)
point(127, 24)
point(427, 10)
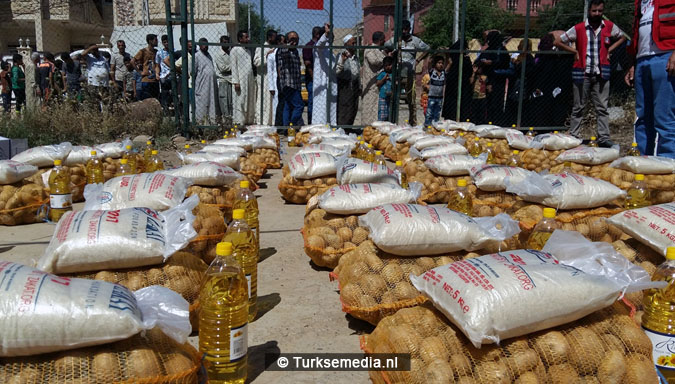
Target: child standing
point(18, 81)
point(479, 102)
point(128, 80)
point(384, 84)
point(436, 88)
point(5, 87)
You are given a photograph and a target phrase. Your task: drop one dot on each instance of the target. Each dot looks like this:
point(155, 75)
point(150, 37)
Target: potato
point(316, 242)
point(563, 374)
point(552, 347)
point(438, 371)
point(426, 263)
point(333, 241)
point(405, 290)
point(392, 273)
point(359, 235)
point(373, 261)
point(585, 350)
point(523, 360)
point(103, 364)
point(639, 370)
point(612, 343)
point(106, 276)
point(352, 221)
point(612, 368)
point(492, 372)
point(404, 338)
point(528, 378)
point(373, 285)
point(71, 363)
point(632, 336)
point(433, 348)
point(459, 362)
point(350, 294)
point(344, 233)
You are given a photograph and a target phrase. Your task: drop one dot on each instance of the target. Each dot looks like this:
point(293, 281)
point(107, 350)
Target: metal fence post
point(263, 63)
point(462, 39)
point(169, 33)
point(330, 65)
point(396, 71)
point(193, 70)
point(523, 67)
point(184, 68)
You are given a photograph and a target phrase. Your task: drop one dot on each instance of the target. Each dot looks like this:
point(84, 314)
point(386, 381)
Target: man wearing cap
point(349, 82)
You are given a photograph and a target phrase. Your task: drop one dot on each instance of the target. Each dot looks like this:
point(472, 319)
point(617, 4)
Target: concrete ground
point(299, 308)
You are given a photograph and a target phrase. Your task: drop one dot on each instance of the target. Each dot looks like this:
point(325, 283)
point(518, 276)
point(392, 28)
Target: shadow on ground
point(256, 358)
point(266, 253)
point(266, 303)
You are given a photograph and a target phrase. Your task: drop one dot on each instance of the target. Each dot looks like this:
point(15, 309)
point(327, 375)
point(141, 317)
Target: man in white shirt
point(222, 62)
point(164, 71)
point(98, 68)
point(243, 83)
point(263, 92)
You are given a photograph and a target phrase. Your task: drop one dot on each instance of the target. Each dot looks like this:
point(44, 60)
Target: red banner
point(310, 4)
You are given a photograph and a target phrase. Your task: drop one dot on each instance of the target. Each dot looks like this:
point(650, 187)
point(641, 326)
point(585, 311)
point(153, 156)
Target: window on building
point(511, 5)
point(535, 5)
point(386, 22)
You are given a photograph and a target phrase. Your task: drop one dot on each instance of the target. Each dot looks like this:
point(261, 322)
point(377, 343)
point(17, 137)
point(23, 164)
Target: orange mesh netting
point(269, 157)
point(23, 204)
point(327, 237)
point(300, 191)
point(210, 226)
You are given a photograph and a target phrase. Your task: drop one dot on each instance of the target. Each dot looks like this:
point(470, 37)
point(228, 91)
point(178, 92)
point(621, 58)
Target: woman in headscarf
point(452, 84)
point(495, 59)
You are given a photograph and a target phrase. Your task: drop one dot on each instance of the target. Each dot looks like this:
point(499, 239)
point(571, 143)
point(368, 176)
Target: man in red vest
point(591, 69)
point(653, 47)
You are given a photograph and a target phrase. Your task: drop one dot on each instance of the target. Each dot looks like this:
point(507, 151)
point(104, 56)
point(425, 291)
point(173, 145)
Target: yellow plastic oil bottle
point(291, 135)
point(370, 154)
point(245, 251)
point(475, 149)
point(94, 170)
point(490, 154)
point(245, 199)
point(60, 196)
point(130, 156)
point(633, 151)
point(658, 320)
point(514, 159)
point(223, 319)
point(123, 169)
point(400, 173)
point(155, 164)
point(460, 200)
point(361, 150)
point(637, 195)
point(543, 230)
point(379, 159)
point(147, 152)
point(530, 132)
point(186, 149)
point(593, 142)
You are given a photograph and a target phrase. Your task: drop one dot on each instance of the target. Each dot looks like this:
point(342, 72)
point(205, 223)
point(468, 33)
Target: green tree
point(567, 13)
point(257, 25)
point(481, 15)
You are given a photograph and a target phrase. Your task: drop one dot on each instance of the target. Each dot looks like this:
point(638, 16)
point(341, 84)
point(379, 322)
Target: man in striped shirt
point(591, 69)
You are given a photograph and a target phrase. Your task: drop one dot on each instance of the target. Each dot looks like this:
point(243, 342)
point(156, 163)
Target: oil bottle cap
point(428, 126)
point(399, 163)
point(148, 142)
point(291, 124)
point(513, 125)
point(593, 138)
point(124, 161)
point(128, 147)
point(93, 153)
point(238, 214)
point(515, 151)
point(443, 130)
point(370, 145)
point(224, 248)
point(633, 144)
point(187, 146)
point(549, 213)
point(670, 253)
point(461, 183)
point(531, 128)
point(555, 132)
point(489, 144)
point(244, 184)
point(475, 139)
point(362, 142)
point(489, 122)
point(358, 138)
point(224, 136)
point(378, 153)
point(203, 141)
point(468, 120)
point(154, 152)
point(57, 162)
point(639, 177)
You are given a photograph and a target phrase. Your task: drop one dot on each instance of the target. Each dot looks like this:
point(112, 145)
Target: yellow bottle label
point(238, 342)
point(663, 349)
point(61, 201)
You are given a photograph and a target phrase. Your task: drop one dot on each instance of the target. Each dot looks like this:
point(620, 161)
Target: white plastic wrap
point(589, 155)
point(384, 127)
point(315, 128)
point(343, 143)
point(454, 125)
point(206, 173)
point(445, 149)
point(266, 129)
point(402, 135)
point(652, 226)
point(555, 141)
point(241, 142)
point(318, 137)
point(264, 142)
point(217, 148)
point(565, 191)
point(229, 159)
point(45, 155)
point(156, 191)
point(454, 165)
point(86, 241)
point(330, 149)
point(412, 139)
point(432, 141)
point(356, 171)
point(113, 150)
point(311, 165)
point(79, 155)
point(492, 177)
point(12, 171)
point(647, 165)
point(518, 140)
point(356, 199)
point(496, 133)
point(509, 294)
point(412, 230)
point(46, 313)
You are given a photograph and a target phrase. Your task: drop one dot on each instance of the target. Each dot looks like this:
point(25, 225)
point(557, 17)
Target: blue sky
point(285, 13)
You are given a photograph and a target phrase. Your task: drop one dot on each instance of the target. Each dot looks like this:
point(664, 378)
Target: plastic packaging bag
point(45, 313)
point(98, 240)
point(45, 155)
point(454, 165)
point(330, 149)
point(113, 150)
point(241, 142)
point(647, 165)
point(565, 191)
point(652, 226)
point(411, 229)
point(311, 165)
point(518, 140)
point(445, 149)
point(509, 294)
point(206, 173)
point(315, 128)
point(12, 171)
point(492, 177)
point(355, 199)
point(266, 129)
point(412, 139)
point(432, 141)
point(264, 142)
point(401, 135)
point(555, 141)
point(496, 133)
point(342, 143)
point(217, 148)
point(156, 191)
point(356, 171)
point(79, 155)
point(589, 155)
point(318, 137)
point(229, 159)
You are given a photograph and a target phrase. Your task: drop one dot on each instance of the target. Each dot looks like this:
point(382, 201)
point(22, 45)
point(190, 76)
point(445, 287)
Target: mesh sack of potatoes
point(267, 156)
point(581, 169)
point(493, 203)
point(396, 152)
point(539, 159)
point(13, 171)
point(152, 359)
point(436, 188)
point(603, 347)
point(300, 191)
point(643, 256)
point(210, 227)
point(78, 180)
point(500, 147)
point(374, 284)
point(25, 204)
point(327, 236)
point(368, 133)
point(219, 197)
point(252, 168)
point(111, 166)
point(661, 187)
